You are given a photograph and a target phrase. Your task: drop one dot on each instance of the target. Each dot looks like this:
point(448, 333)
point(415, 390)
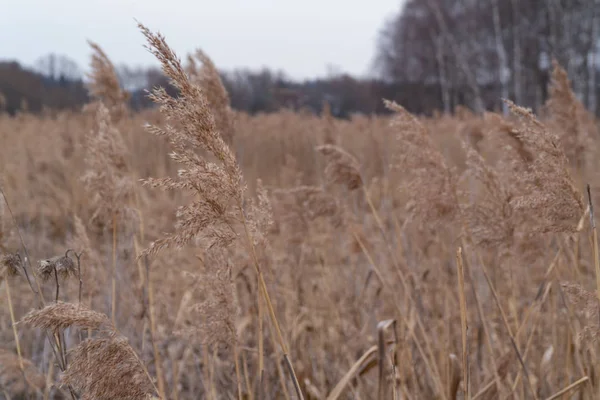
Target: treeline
point(252, 92)
point(433, 55)
point(476, 52)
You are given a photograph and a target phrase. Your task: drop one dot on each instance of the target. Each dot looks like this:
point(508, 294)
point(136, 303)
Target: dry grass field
point(190, 251)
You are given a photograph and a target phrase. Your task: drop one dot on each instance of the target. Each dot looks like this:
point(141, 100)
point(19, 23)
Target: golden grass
point(305, 256)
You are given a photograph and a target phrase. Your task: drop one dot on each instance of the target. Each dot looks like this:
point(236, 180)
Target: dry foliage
point(280, 259)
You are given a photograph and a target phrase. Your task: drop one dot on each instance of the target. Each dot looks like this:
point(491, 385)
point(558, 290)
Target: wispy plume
point(551, 201)
point(208, 78)
point(104, 85)
point(427, 179)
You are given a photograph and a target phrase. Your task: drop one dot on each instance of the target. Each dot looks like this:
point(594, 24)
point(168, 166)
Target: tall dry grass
point(293, 255)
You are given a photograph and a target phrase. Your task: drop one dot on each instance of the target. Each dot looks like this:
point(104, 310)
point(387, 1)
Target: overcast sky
point(300, 37)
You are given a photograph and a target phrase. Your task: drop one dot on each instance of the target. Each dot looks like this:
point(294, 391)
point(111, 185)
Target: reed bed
point(190, 251)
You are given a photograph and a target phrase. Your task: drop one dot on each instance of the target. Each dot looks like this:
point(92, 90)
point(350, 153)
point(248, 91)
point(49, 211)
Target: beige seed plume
point(586, 306)
point(217, 185)
point(104, 83)
point(574, 125)
point(342, 167)
point(427, 179)
point(61, 315)
point(552, 202)
point(485, 203)
point(107, 368)
point(207, 77)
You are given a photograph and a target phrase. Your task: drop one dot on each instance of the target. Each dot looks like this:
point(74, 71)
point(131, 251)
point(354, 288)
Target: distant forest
point(434, 55)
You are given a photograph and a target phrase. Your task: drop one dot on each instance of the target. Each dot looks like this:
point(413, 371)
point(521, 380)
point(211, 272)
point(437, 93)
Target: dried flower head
point(65, 267)
point(574, 125)
point(106, 176)
point(104, 83)
point(217, 185)
point(552, 201)
point(207, 77)
point(60, 315)
point(17, 383)
point(342, 167)
point(211, 320)
point(429, 182)
point(485, 203)
point(107, 368)
point(586, 306)
point(10, 265)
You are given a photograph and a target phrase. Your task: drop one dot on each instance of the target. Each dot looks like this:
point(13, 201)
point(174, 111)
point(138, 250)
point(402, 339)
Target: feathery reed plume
point(551, 198)
point(59, 316)
point(261, 216)
point(572, 122)
point(430, 181)
point(217, 307)
point(104, 83)
point(218, 186)
point(19, 380)
point(342, 167)
point(207, 77)
point(298, 205)
point(586, 306)
point(486, 208)
point(107, 368)
point(106, 175)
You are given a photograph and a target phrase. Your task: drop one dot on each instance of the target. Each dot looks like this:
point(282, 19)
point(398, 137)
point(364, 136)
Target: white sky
point(300, 37)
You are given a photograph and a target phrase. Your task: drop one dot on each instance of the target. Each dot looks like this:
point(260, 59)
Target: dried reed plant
point(60, 315)
point(212, 219)
point(573, 124)
point(428, 180)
